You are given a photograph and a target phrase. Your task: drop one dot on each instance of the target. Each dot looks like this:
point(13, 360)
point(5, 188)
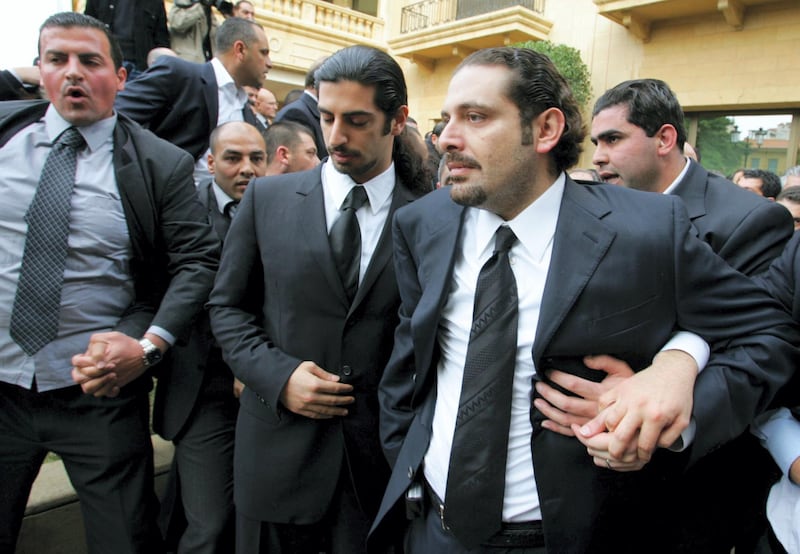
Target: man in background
point(305, 110)
point(762, 182)
point(290, 148)
point(182, 102)
point(138, 25)
point(195, 406)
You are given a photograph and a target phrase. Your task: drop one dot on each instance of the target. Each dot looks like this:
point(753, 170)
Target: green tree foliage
point(715, 146)
point(569, 63)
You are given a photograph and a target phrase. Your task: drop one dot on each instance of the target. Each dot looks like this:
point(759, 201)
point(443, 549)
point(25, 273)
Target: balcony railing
point(334, 18)
point(430, 13)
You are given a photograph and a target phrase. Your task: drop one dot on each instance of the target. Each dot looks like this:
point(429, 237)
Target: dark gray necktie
point(230, 209)
point(476, 478)
point(34, 319)
point(345, 239)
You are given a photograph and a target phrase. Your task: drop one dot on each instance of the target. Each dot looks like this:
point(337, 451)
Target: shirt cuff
point(168, 337)
point(692, 344)
point(779, 433)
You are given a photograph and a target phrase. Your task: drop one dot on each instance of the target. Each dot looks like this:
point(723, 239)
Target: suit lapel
point(311, 224)
point(438, 247)
point(581, 241)
point(211, 95)
point(135, 194)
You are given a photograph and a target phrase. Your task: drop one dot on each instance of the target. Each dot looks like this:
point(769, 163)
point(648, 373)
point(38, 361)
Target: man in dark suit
point(638, 129)
point(596, 269)
point(138, 25)
point(195, 406)
point(182, 102)
point(305, 110)
point(130, 270)
point(307, 339)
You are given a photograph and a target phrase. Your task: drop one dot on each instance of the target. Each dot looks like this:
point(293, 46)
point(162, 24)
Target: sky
point(19, 30)
point(748, 123)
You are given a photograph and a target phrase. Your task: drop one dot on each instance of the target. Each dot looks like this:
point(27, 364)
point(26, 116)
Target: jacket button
point(346, 370)
point(410, 472)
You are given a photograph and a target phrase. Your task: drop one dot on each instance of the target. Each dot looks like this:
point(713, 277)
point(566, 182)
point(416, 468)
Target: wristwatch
point(152, 355)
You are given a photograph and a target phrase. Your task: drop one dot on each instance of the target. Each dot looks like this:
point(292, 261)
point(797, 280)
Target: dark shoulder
point(150, 147)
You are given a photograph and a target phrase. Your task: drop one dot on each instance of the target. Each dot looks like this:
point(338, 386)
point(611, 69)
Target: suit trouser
point(106, 449)
point(203, 470)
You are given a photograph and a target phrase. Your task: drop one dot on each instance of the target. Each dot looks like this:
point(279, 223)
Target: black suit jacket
point(781, 281)
point(625, 272)
point(149, 25)
point(305, 111)
point(278, 301)
point(175, 99)
point(190, 364)
point(175, 251)
point(746, 230)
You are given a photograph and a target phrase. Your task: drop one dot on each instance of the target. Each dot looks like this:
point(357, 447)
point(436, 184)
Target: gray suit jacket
point(278, 301)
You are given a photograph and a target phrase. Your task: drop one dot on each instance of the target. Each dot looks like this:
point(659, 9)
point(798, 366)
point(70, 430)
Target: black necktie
point(345, 239)
point(230, 209)
point(34, 319)
point(476, 479)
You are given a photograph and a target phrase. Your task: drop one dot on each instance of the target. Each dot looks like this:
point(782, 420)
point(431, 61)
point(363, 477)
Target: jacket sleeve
point(758, 239)
point(235, 307)
point(147, 98)
point(752, 340)
point(186, 249)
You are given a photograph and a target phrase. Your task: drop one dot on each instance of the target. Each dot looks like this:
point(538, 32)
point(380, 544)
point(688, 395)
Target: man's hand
point(313, 392)
point(650, 409)
point(794, 471)
point(563, 411)
point(598, 448)
point(238, 388)
point(111, 361)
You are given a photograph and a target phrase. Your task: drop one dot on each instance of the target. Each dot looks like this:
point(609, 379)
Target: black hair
point(536, 85)
point(651, 104)
point(75, 19)
point(374, 68)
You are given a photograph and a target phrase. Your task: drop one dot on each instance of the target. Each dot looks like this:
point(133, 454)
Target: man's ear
point(282, 155)
point(399, 120)
point(210, 161)
point(548, 127)
point(667, 137)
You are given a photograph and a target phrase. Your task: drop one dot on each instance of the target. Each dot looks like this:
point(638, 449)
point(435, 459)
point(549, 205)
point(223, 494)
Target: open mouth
point(75, 92)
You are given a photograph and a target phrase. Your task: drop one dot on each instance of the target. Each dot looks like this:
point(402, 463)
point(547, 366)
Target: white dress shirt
point(371, 218)
point(230, 100)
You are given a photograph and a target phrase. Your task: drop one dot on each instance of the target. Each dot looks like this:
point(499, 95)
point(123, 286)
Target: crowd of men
point(354, 353)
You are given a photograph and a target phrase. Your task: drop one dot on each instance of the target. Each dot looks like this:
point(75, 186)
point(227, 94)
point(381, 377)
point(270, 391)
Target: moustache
point(461, 160)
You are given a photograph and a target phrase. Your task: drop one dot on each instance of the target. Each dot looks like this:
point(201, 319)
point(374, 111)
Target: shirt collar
point(94, 134)
point(378, 188)
point(226, 83)
point(680, 176)
point(221, 196)
point(535, 226)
